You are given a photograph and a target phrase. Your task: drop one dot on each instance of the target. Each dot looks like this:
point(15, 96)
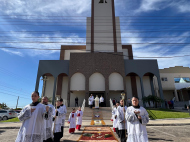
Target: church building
point(104, 66)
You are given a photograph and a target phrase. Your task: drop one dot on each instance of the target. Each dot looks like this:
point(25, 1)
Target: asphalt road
point(155, 134)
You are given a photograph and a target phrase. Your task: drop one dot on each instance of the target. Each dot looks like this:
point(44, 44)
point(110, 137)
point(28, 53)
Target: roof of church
point(176, 69)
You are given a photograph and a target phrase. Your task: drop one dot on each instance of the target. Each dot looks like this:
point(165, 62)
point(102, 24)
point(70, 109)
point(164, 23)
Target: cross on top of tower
point(103, 1)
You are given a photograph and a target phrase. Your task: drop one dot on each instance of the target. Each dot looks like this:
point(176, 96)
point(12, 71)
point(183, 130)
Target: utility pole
point(17, 102)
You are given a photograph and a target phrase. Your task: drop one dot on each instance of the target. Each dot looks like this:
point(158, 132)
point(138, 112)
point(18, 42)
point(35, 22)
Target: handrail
point(83, 105)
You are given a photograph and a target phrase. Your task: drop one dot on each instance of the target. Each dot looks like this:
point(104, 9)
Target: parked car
point(18, 112)
point(7, 114)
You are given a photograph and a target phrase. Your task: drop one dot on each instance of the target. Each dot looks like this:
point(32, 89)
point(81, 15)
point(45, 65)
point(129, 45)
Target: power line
point(95, 16)
point(43, 42)
point(84, 31)
point(12, 88)
point(13, 95)
point(75, 22)
point(70, 25)
point(20, 93)
point(14, 75)
point(119, 55)
point(98, 37)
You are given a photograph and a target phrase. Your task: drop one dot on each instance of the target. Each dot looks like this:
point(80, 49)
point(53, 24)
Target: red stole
point(73, 115)
point(78, 113)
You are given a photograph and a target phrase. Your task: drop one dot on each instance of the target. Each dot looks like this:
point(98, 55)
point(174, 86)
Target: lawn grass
point(167, 113)
point(12, 120)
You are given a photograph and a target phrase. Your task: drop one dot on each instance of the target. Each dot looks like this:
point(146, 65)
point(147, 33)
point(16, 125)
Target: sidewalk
point(86, 123)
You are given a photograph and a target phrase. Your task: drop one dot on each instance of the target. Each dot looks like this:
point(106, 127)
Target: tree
point(4, 106)
point(152, 98)
point(49, 100)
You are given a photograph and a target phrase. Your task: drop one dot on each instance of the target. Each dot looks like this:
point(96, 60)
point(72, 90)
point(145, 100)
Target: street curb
point(177, 124)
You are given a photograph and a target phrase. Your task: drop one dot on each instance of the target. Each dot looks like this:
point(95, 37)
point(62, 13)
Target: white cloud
point(152, 50)
point(148, 5)
point(45, 7)
point(156, 5)
point(70, 40)
point(12, 52)
point(184, 8)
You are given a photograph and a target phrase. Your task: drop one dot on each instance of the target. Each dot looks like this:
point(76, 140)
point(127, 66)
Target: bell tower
point(103, 28)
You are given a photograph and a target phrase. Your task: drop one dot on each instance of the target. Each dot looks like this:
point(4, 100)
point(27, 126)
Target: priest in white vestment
point(121, 122)
point(57, 122)
point(90, 101)
point(33, 116)
point(137, 118)
point(72, 121)
point(79, 113)
point(64, 109)
point(101, 101)
point(48, 133)
point(97, 102)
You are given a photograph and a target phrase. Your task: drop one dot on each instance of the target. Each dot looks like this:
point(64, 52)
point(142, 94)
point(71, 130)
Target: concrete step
point(88, 112)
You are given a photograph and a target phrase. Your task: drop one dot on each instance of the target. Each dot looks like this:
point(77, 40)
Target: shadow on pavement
point(156, 139)
point(68, 141)
point(1, 131)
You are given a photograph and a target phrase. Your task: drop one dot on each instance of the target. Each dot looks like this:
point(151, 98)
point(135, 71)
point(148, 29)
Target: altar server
point(114, 112)
point(64, 110)
point(48, 133)
point(79, 118)
point(115, 119)
point(137, 118)
point(72, 121)
point(33, 116)
point(122, 124)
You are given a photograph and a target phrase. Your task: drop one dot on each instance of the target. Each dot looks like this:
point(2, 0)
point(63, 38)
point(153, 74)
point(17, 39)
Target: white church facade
point(101, 67)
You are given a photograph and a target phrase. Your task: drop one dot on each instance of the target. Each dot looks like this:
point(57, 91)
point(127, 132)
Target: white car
point(18, 112)
point(7, 114)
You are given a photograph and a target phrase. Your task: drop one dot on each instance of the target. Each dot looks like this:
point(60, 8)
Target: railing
point(83, 105)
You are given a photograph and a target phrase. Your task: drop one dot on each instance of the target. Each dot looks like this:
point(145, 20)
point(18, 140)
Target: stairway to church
point(88, 112)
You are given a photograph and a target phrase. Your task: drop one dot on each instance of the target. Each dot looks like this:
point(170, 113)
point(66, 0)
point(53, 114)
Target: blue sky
point(142, 21)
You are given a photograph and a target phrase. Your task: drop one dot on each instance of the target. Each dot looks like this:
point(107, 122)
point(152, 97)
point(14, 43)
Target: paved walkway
point(106, 114)
point(156, 131)
point(86, 123)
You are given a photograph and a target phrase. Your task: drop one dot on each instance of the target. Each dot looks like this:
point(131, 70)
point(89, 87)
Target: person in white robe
point(33, 116)
point(58, 115)
point(101, 101)
point(113, 113)
point(72, 121)
point(97, 102)
point(48, 133)
point(137, 118)
point(121, 122)
point(90, 101)
point(115, 119)
point(64, 109)
point(79, 113)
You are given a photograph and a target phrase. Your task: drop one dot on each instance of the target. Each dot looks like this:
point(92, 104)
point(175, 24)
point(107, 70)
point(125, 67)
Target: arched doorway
point(97, 85)
point(116, 86)
point(77, 89)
